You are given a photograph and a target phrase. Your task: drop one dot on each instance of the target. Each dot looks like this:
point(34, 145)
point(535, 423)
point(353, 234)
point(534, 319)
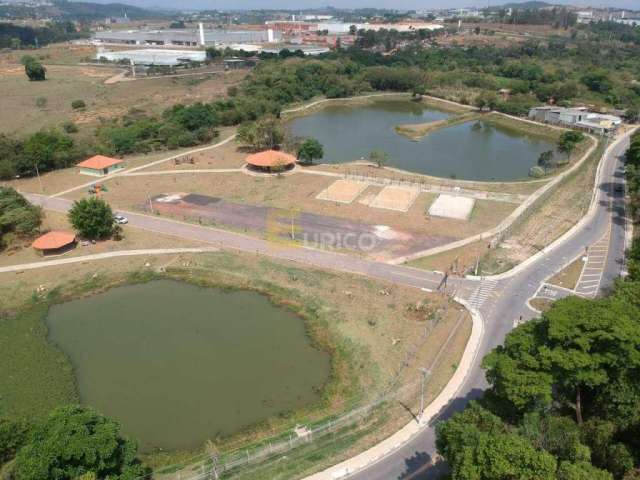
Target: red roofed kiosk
point(271, 161)
point(99, 166)
point(54, 242)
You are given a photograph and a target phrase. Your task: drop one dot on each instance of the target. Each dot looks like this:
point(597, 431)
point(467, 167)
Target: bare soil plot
point(452, 206)
point(289, 224)
point(458, 261)
point(395, 198)
point(342, 191)
point(298, 191)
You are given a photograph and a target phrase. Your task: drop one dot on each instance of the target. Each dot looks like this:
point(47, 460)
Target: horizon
point(299, 5)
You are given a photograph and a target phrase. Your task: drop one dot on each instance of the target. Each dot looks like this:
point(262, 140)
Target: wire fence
point(219, 465)
point(427, 186)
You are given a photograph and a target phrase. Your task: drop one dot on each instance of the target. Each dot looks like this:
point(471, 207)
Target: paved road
point(503, 309)
point(502, 302)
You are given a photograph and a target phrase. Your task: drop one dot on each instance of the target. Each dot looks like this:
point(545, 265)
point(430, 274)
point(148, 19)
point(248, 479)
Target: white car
point(120, 219)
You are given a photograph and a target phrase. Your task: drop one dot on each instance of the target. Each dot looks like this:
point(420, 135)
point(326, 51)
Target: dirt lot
point(298, 191)
point(66, 83)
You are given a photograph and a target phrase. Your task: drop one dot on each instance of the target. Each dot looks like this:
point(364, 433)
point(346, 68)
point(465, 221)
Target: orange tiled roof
point(98, 162)
point(271, 158)
point(53, 240)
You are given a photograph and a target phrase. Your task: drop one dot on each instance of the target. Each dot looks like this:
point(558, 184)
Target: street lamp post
point(425, 372)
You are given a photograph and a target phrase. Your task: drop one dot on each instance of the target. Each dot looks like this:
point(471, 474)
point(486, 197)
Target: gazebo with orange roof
point(55, 241)
point(271, 161)
point(99, 166)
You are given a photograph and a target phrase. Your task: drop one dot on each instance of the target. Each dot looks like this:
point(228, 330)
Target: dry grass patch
point(459, 260)
point(568, 277)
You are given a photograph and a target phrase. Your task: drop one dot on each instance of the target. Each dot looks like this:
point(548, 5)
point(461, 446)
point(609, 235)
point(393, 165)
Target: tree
point(264, 133)
point(34, 70)
point(568, 141)
point(379, 157)
point(577, 348)
point(13, 435)
point(17, 216)
point(92, 218)
point(545, 160)
point(310, 150)
point(75, 441)
point(478, 446)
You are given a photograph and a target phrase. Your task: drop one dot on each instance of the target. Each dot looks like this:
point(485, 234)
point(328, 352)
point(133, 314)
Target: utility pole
point(38, 175)
point(423, 379)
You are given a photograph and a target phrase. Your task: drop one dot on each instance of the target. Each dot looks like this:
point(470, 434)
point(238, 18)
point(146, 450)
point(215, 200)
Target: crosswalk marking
point(481, 293)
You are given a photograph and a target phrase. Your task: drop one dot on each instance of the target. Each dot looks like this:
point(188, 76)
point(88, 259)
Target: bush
point(13, 435)
point(92, 218)
point(77, 442)
point(78, 104)
point(17, 216)
point(69, 127)
point(41, 102)
point(34, 70)
point(536, 172)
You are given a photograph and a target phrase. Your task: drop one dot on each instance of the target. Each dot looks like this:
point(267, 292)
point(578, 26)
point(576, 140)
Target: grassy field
point(68, 81)
point(378, 333)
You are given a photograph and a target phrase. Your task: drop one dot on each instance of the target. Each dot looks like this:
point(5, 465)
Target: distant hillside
point(88, 10)
point(65, 10)
point(530, 5)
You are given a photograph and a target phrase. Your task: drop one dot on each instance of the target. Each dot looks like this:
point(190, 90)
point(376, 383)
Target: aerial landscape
point(271, 241)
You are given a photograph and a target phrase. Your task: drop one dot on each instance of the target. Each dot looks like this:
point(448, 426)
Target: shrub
point(78, 104)
point(41, 102)
point(536, 172)
point(69, 127)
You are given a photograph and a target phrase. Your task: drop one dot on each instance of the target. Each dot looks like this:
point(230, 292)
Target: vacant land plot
point(298, 192)
point(342, 191)
point(66, 83)
point(568, 277)
point(395, 198)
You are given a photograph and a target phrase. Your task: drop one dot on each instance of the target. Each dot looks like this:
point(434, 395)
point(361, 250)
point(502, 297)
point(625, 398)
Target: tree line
point(15, 36)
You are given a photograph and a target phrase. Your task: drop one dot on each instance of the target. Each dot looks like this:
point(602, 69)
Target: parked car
point(120, 219)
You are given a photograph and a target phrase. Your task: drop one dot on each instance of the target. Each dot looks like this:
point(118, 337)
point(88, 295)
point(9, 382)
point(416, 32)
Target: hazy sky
point(399, 4)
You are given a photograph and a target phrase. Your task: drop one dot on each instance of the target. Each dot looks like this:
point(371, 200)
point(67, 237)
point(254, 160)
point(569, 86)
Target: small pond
point(177, 364)
point(465, 151)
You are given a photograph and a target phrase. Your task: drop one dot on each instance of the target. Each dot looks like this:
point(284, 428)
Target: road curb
point(407, 433)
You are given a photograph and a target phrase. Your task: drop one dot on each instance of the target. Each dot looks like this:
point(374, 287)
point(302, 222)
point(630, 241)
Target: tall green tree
point(75, 441)
point(92, 218)
point(34, 70)
point(310, 150)
point(569, 140)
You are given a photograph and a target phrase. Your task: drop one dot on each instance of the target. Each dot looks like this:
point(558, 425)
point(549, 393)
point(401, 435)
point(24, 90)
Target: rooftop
point(271, 158)
point(54, 240)
point(99, 162)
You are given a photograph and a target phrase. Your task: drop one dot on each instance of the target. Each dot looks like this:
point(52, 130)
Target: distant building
point(581, 118)
point(99, 166)
point(153, 56)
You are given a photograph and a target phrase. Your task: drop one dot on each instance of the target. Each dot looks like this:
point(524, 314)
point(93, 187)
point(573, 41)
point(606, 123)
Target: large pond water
point(177, 364)
point(466, 151)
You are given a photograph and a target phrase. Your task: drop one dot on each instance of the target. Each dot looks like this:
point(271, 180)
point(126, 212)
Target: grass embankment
point(416, 131)
point(550, 217)
point(378, 334)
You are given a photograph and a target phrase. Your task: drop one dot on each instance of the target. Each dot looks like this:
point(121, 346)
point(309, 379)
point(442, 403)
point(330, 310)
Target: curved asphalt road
point(501, 311)
point(503, 306)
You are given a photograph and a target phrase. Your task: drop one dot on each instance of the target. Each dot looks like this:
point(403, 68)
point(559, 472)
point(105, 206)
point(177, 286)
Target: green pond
point(467, 151)
point(177, 364)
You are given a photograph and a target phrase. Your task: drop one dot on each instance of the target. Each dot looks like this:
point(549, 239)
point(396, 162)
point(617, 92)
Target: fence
point(215, 465)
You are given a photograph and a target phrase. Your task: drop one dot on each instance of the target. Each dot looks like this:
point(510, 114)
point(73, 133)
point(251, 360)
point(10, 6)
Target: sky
point(397, 4)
